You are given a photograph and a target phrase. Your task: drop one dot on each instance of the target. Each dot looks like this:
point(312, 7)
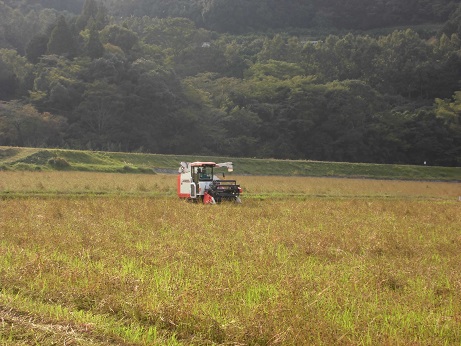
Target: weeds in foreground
point(161, 271)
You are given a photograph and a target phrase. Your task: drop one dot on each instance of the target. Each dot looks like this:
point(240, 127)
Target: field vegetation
point(99, 259)
point(73, 184)
point(36, 159)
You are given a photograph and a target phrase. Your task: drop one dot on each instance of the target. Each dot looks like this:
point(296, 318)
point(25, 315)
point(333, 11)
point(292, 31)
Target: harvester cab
point(197, 182)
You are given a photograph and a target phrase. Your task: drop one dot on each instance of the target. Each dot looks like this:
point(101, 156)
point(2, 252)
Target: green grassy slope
point(51, 159)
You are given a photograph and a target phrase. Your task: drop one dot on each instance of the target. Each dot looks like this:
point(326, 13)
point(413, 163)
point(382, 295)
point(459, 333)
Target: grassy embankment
point(71, 160)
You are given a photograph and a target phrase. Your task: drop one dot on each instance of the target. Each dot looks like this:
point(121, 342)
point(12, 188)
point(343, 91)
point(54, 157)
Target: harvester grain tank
point(197, 182)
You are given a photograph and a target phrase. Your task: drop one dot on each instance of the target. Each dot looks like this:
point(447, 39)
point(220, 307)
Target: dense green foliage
point(200, 77)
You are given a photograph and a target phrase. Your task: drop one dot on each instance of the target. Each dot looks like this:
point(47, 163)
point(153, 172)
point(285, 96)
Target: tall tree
point(94, 47)
point(37, 47)
point(90, 9)
point(61, 41)
point(22, 125)
point(403, 64)
point(119, 36)
point(450, 112)
point(100, 109)
point(8, 82)
point(16, 73)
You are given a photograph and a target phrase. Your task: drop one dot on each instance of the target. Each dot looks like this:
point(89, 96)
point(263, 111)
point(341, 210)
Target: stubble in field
point(144, 270)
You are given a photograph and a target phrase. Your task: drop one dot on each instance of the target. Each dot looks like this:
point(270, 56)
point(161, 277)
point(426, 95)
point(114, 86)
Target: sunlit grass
point(332, 187)
point(254, 186)
point(141, 269)
point(85, 183)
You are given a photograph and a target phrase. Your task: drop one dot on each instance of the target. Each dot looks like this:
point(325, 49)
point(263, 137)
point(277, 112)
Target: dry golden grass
point(332, 187)
point(255, 186)
point(85, 183)
point(355, 270)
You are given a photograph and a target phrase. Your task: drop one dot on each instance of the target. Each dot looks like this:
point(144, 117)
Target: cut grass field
point(117, 259)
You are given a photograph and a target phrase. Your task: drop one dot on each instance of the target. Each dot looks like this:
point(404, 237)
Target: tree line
point(238, 16)
point(103, 77)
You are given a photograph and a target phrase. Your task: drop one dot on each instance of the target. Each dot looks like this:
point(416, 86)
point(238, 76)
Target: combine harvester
point(197, 182)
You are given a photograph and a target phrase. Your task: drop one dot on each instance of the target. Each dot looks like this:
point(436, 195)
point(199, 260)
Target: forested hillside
point(358, 81)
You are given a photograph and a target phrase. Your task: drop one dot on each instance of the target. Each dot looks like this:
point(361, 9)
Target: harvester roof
point(203, 164)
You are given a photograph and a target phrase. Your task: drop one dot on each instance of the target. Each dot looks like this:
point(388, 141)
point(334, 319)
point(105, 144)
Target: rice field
point(54, 183)
point(113, 259)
